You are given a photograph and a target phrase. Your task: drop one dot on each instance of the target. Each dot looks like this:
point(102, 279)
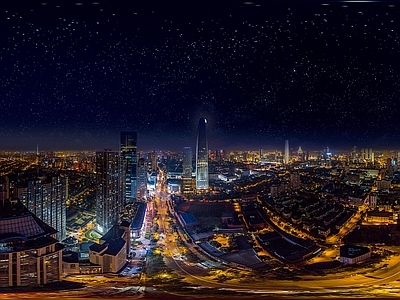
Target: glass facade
point(129, 161)
point(202, 156)
point(142, 179)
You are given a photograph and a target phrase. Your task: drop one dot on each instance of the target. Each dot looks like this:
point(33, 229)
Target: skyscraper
point(286, 151)
point(202, 156)
point(108, 199)
point(187, 170)
point(187, 162)
point(142, 178)
point(129, 166)
point(300, 154)
point(153, 161)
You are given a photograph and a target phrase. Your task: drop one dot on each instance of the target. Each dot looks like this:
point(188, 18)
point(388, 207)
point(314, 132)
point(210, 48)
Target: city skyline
point(261, 72)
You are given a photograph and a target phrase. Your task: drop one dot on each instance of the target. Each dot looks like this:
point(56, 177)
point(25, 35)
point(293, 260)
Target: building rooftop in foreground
point(350, 251)
point(138, 219)
point(26, 243)
point(21, 229)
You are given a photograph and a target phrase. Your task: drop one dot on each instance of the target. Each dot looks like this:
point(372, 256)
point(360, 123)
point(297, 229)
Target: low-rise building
point(111, 254)
point(380, 216)
point(324, 230)
point(354, 254)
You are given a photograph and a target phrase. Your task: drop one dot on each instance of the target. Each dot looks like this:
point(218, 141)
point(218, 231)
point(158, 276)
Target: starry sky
point(77, 73)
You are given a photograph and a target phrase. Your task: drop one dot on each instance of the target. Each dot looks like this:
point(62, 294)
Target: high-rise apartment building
point(202, 156)
point(153, 161)
point(295, 180)
point(46, 197)
point(187, 171)
point(367, 154)
point(187, 162)
point(109, 201)
point(287, 155)
point(142, 178)
point(4, 188)
point(129, 166)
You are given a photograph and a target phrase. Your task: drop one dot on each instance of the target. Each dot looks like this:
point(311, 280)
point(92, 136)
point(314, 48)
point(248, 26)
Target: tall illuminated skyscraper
point(108, 199)
point(287, 151)
point(187, 171)
point(142, 178)
point(129, 166)
point(202, 156)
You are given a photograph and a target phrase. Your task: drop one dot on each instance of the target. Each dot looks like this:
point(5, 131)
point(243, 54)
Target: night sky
point(75, 74)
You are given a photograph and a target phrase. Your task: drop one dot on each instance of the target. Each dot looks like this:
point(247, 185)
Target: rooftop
point(351, 251)
point(17, 221)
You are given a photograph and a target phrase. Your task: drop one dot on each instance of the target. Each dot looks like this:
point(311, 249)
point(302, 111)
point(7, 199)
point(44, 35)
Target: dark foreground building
point(29, 252)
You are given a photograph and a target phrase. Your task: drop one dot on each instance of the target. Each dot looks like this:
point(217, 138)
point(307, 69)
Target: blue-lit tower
point(129, 166)
point(202, 156)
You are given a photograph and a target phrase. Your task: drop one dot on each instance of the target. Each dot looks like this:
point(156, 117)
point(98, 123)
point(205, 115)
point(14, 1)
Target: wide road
point(363, 279)
point(168, 240)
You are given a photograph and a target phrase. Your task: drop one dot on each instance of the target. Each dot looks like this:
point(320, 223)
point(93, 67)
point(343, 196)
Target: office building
point(300, 154)
point(187, 171)
point(142, 179)
point(287, 155)
point(129, 159)
point(29, 252)
point(202, 156)
point(109, 201)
